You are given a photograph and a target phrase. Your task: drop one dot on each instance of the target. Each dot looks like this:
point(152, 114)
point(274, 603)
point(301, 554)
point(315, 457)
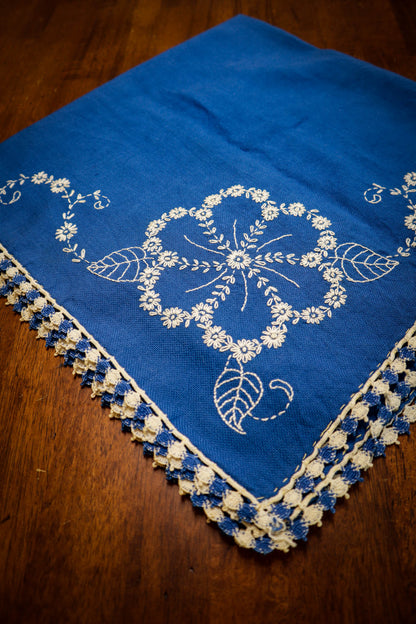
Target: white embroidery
point(408, 187)
point(244, 256)
point(236, 394)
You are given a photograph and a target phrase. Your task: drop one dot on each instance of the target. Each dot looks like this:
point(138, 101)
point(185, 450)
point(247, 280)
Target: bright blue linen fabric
point(274, 174)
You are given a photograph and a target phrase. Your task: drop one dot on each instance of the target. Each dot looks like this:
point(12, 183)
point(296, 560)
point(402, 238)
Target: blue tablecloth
point(222, 241)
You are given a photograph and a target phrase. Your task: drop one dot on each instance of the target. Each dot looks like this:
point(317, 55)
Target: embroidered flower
point(59, 185)
point(296, 209)
point(149, 276)
point(410, 221)
point(311, 259)
point(410, 178)
point(281, 312)
point(245, 350)
point(39, 178)
point(335, 297)
point(202, 313)
point(150, 301)
point(67, 231)
point(327, 241)
point(269, 212)
point(178, 213)
point(274, 336)
point(212, 200)
point(321, 223)
point(203, 214)
point(312, 315)
point(332, 275)
point(259, 196)
point(172, 317)
point(156, 226)
point(216, 337)
point(238, 259)
point(168, 258)
point(236, 191)
point(152, 245)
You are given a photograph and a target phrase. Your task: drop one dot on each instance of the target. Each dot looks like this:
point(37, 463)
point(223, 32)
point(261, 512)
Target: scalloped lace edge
point(374, 418)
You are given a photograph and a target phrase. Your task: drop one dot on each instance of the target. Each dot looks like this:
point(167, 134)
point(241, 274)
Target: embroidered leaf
point(361, 264)
point(236, 394)
point(120, 266)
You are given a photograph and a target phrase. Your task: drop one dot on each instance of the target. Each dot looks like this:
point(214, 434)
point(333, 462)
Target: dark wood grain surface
point(89, 532)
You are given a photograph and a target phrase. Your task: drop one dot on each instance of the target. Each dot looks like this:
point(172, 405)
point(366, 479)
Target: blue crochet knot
point(5, 264)
point(385, 415)
point(351, 474)
point(246, 512)
point(349, 425)
point(372, 398)
point(390, 376)
point(305, 484)
point(264, 545)
point(400, 425)
point(299, 529)
point(327, 500)
point(281, 511)
point(327, 454)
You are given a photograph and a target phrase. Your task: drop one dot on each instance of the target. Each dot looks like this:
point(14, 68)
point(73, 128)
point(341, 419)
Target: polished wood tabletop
point(89, 532)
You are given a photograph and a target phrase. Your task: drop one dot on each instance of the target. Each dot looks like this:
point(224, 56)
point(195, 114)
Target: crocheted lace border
point(376, 415)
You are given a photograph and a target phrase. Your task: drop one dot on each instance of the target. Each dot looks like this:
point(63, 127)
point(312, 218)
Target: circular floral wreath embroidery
point(248, 257)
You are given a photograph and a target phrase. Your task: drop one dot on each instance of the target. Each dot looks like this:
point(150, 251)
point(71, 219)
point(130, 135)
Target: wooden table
point(89, 532)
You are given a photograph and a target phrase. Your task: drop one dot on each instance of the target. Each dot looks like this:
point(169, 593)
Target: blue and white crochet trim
point(381, 410)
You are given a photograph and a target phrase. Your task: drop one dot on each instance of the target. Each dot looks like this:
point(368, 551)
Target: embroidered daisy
point(155, 227)
point(149, 276)
point(281, 312)
point(410, 178)
point(150, 301)
point(312, 315)
point(203, 214)
point(39, 178)
point(269, 212)
point(410, 221)
point(236, 191)
point(245, 350)
point(259, 196)
point(311, 259)
point(327, 241)
point(67, 231)
point(172, 317)
point(238, 259)
point(212, 200)
point(296, 209)
point(216, 337)
point(274, 336)
point(321, 223)
point(168, 258)
point(177, 213)
point(335, 298)
point(153, 244)
point(59, 185)
point(332, 275)
point(202, 313)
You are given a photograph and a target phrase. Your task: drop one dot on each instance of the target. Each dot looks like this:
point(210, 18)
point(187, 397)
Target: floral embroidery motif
point(234, 265)
point(230, 265)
